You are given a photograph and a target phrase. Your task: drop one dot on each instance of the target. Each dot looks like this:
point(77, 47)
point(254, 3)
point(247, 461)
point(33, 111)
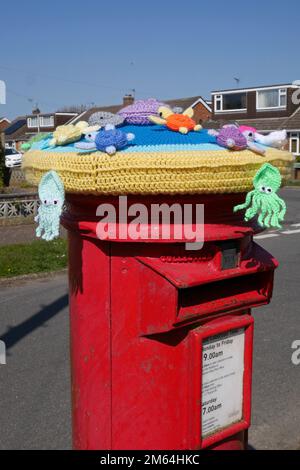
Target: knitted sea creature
point(182, 123)
point(139, 112)
point(102, 118)
point(276, 139)
point(250, 136)
point(108, 140)
point(263, 200)
point(67, 134)
point(52, 195)
point(36, 138)
point(230, 136)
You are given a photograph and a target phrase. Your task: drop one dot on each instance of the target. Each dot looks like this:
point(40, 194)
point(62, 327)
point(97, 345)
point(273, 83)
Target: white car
point(13, 158)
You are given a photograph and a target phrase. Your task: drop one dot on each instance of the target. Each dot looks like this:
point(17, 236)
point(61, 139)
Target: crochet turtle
point(108, 140)
point(67, 134)
point(230, 137)
point(180, 122)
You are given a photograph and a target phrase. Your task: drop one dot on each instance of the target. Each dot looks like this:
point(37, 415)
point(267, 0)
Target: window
point(231, 102)
point(32, 122)
point(271, 99)
point(218, 103)
point(295, 143)
point(10, 151)
point(46, 121)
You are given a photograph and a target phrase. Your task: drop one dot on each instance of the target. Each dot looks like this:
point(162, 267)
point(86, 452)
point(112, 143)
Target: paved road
point(34, 385)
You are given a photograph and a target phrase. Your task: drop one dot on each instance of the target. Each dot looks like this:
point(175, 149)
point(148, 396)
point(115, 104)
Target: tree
point(77, 108)
point(2, 162)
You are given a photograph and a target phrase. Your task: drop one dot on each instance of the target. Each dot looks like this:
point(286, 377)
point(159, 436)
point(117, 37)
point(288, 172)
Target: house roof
point(183, 103)
point(52, 114)
point(272, 124)
point(84, 116)
point(262, 87)
point(16, 128)
point(3, 118)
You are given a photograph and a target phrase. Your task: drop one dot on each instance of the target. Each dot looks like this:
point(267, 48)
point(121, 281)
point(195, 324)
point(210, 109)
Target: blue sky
point(62, 53)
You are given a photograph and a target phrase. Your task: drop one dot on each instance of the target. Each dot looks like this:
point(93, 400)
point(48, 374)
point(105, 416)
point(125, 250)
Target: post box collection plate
point(221, 352)
point(222, 380)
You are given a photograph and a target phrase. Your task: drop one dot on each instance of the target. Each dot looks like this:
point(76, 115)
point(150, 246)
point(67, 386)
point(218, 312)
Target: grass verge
point(36, 257)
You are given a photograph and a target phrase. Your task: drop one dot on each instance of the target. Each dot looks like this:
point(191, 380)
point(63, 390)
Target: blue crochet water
point(160, 135)
point(159, 138)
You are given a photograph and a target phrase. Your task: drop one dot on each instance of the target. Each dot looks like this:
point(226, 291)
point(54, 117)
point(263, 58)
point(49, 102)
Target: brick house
point(25, 127)
point(202, 110)
point(4, 123)
point(267, 108)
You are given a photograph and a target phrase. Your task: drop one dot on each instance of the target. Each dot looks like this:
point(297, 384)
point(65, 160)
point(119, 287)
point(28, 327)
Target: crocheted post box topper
point(52, 195)
point(182, 123)
point(263, 200)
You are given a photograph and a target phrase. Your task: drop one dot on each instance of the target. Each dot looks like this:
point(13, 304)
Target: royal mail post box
point(161, 337)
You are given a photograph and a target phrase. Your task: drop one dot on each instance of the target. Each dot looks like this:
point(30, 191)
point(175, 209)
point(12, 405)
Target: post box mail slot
point(173, 293)
point(221, 364)
point(228, 294)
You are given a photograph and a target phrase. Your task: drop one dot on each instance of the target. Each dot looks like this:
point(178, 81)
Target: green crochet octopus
point(52, 195)
point(263, 200)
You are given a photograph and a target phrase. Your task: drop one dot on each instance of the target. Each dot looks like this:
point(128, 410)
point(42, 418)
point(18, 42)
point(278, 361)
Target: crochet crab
point(263, 200)
point(108, 140)
point(180, 122)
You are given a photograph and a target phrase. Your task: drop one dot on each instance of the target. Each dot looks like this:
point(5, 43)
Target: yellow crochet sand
point(190, 172)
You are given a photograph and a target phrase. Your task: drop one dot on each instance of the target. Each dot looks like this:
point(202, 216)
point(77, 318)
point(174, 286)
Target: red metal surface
point(81, 215)
point(133, 308)
point(237, 442)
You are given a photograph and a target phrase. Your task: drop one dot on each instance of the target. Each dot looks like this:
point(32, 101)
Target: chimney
point(127, 100)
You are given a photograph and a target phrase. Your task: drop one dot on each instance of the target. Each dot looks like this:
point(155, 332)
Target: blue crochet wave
point(157, 137)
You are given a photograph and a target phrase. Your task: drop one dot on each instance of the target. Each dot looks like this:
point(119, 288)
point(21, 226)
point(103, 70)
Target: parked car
point(13, 158)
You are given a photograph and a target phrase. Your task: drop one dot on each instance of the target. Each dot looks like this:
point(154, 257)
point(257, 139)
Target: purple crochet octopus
point(139, 112)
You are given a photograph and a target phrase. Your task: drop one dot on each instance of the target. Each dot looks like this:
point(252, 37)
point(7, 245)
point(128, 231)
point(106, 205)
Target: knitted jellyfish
point(52, 195)
point(263, 200)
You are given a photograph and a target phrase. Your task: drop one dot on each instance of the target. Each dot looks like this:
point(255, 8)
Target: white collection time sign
point(222, 380)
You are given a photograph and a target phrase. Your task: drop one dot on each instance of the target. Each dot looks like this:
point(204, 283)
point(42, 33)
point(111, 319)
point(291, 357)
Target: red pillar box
point(161, 334)
point(143, 315)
